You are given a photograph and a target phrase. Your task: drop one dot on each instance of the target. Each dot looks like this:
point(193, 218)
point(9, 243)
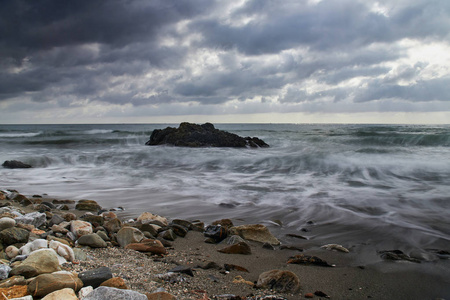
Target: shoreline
point(351, 278)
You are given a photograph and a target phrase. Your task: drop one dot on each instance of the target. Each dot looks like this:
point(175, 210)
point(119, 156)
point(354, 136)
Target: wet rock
point(194, 135)
point(59, 229)
point(92, 240)
point(183, 269)
point(69, 217)
point(80, 228)
point(33, 246)
point(14, 235)
point(15, 164)
point(129, 235)
point(148, 245)
point(268, 246)
point(95, 277)
point(308, 260)
point(168, 235)
point(45, 284)
point(309, 295)
point(150, 228)
point(234, 239)
point(80, 255)
point(170, 277)
point(108, 215)
point(239, 248)
point(279, 280)
point(66, 294)
point(110, 293)
point(103, 235)
point(6, 222)
point(113, 225)
point(183, 223)
point(147, 217)
point(198, 226)
point(115, 282)
point(55, 220)
point(89, 205)
point(215, 232)
point(227, 223)
point(397, 255)
point(255, 232)
point(210, 265)
point(93, 219)
point(179, 230)
point(321, 294)
point(13, 292)
point(335, 247)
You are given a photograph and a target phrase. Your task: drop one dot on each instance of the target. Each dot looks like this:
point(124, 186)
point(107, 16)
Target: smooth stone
point(7, 222)
point(147, 217)
point(59, 229)
point(34, 218)
point(69, 217)
point(80, 255)
point(62, 250)
point(108, 215)
point(55, 220)
point(13, 292)
point(149, 228)
point(12, 251)
point(14, 235)
point(110, 293)
point(234, 239)
point(227, 223)
point(216, 232)
point(4, 271)
point(45, 284)
point(239, 248)
point(148, 245)
point(43, 261)
point(168, 235)
point(115, 282)
point(183, 223)
point(255, 232)
point(66, 294)
point(103, 235)
point(179, 230)
point(182, 269)
point(92, 240)
point(129, 235)
point(33, 246)
point(84, 292)
point(11, 281)
point(89, 205)
point(95, 277)
point(94, 219)
point(279, 280)
point(15, 164)
point(113, 225)
point(80, 228)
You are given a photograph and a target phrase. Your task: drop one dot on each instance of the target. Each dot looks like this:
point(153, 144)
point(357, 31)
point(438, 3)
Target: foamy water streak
point(387, 185)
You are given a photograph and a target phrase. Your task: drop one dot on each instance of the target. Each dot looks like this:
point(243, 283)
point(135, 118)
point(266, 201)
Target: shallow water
point(386, 185)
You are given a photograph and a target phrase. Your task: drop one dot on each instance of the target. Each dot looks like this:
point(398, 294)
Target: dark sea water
point(383, 185)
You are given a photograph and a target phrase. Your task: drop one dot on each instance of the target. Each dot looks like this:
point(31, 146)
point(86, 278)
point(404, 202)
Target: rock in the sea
point(279, 280)
point(95, 277)
point(115, 282)
point(92, 240)
point(255, 232)
point(110, 293)
point(66, 294)
point(148, 245)
point(397, 255)
point(216, 232)
point(45, 284)
point(79, 228)
point(128, 235)
point(194, 135)
point(14, 235)
point(239, 248)
point(89, 205)
point(6, 222)
point(15, 164)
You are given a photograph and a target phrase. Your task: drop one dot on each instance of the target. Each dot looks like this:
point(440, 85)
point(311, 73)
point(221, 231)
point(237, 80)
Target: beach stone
point(234, 239)
point(108, 215)
point(216, 232)
point(66, 294)
point(59, 229)
point(14, 235)
point(255, 232)
point(227, 223)
point(45, 284)
point(62, 250)
point(148, 245)
point(80, 255)
point(4, 271)
point(160, 296)
point(95, 277)
point(147, 217)
point(183, 223)
point(84, 292)
point(198, 226)
point(179, 230)
point(33, 246)
point(115, 282)
point(110, 293)
point(80, 228)
point(240, 279)
point(69, 217)
point(34, 218)
point(239, 248)
point(103, 235)
point(15, 164)
point(92, 240)
point(55, 220)
point(279, 280)
point(168, 235)
point(42, 261)
point(11, 281)
point(89, 205)
point(24, 298)
point(6, 222)
point(128, 235)
point(12, 251)
point(150, 228)
point(12, 292)
point(113, 225)
point(93, 219)
point(182, 269)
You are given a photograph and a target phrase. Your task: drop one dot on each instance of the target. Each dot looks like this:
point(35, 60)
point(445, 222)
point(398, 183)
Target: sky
point(234, 61)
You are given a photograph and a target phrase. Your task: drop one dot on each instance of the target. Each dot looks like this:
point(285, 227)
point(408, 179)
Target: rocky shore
point(64, 249)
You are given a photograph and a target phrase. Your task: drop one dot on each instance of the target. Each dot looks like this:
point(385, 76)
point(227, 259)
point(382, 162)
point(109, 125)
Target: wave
point(99, 131)
point(20, 134)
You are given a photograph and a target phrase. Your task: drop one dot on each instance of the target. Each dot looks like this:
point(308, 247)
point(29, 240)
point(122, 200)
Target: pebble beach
point(152, 257)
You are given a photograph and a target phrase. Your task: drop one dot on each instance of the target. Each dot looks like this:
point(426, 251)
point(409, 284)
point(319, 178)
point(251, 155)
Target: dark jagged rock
point(15, 164)
point(205, 135)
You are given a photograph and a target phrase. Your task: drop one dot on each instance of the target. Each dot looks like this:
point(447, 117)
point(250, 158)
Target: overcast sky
point(225, 61)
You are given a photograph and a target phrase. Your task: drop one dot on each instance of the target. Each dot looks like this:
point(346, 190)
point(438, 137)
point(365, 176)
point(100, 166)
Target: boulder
point(14, 235)
point(147, 217)
point(110, 293)
point(45, 284)
point(89, 205)
point(279, 280)
point(148, 245)
point(6, 222)
point(92, 240)
point(66, 294)
point(15, 164)
point(128, 235)
point(255, 232)
point(115, 282)
point(79, 228)
point(13, 292)
point(42, 261)
point(194, 135)
point(95, 277)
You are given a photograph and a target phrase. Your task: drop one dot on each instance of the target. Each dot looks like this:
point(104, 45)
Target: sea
point(387, 186)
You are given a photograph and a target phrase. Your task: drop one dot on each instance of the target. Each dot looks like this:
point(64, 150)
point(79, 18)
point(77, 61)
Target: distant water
point(386, 185)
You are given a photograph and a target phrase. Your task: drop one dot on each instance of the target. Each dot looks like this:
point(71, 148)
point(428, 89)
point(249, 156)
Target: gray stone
point(103, 235)
point(56, 220)
point(4, 271)
point(34, 218)
point(168, 235)
point(6, 222)
point(279, 280)
point(110, 293)
point(92, 240)
point(128, 235)
point(80, 254)
point(95, 277)
point(234, 239)
point(14, 235)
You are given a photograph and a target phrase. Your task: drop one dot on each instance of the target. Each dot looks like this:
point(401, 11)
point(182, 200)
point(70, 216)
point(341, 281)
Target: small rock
point(115, 282)
point(110, 293)
point(397, 255)
point(279, 280)
point(59, 229)
point(11, 251)
point(69, 217)
point(160, 296)
point(6, 222)
point(80, 255)
point(148, 245)
point(66, 294)
point(89, 205)
point(227, 223)
point(13, 292)
point(14, 235)
point(231, 267)
point(309, 295)
point(108, 215)
point(234, 239)
point(168, 235)
point(55, 220)
point(4, 271)
point(147, 217)
point(42, 261)
point(268, 246)
point(183, 223)
point(95, 220)
point(216, 232)
point(84, 292)
point(11, 281)
point(256, 232)
point(34, 218)
point(183, 269)
point(80, 228)
point(308, 260)
point(92, 240)
point(240, 279)
point(15, 164)
point(129, 235)
point(239, 248)
point(335, 247)
point(113, 225)
point(95, 277)
point(45, 284)
point(33, 246)
point(179, 230)
point(321, 294)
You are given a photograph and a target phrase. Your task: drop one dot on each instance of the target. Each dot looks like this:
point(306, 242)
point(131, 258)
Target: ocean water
point(383, 185)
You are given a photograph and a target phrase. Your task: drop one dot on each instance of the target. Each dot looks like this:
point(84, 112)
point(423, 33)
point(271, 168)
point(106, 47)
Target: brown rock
point(160, 296)
point(47, 283)
point(66, 294)
point(129, 235)
point(115, 282)
point(79, 228)
point(227, 223)
point(15, 280)
point(43, 261)
point(108, 215)
point(69, 217)
point(309, 295)
point(89, 205)
point(279, 280)
point(113, 225)
point(147, 217)
point(240, 279)
point(239, 248)
point(15, 291)
point(148, 245)
point(255, 232)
